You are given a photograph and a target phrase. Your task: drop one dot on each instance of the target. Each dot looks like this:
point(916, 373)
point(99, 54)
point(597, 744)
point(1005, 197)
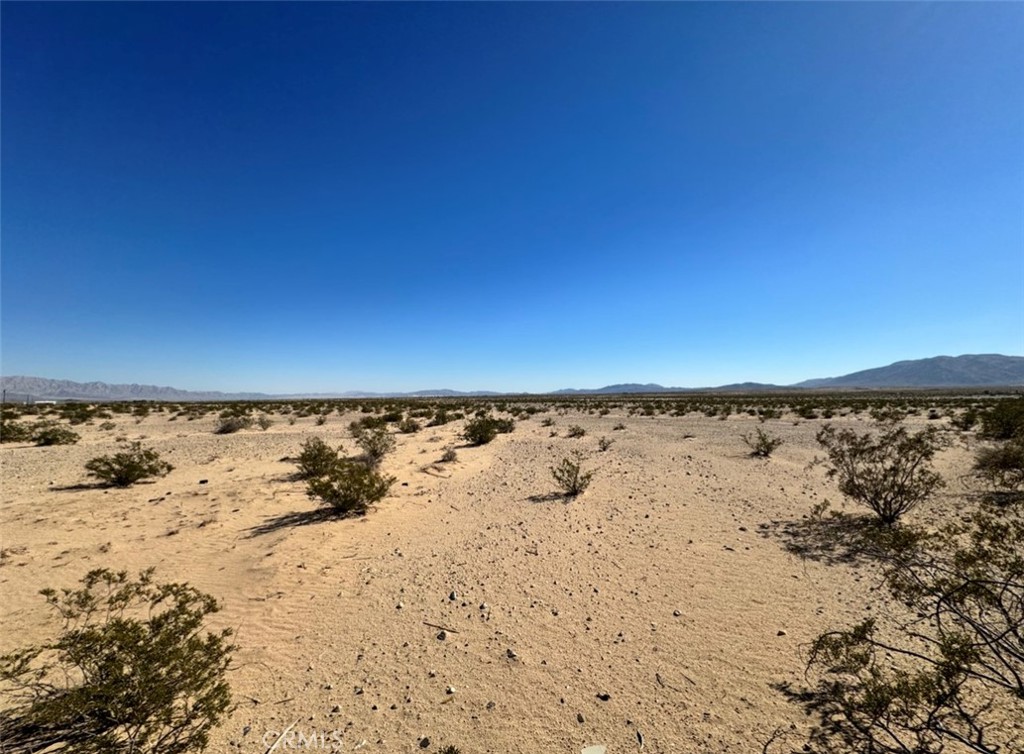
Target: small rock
point(450, 690)
point(511, 654)
point(442, 635)
point(336, 708)
point(676, 613)
point(424, 742)
point(453, 596)
point(491, 705)
point(579, 718)
point(781, 633)
point(399, 606)
point(604, 697)
point(204, 481)
point(359, 690)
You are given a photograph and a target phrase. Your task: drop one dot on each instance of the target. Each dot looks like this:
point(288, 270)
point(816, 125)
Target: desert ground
point(665, 601)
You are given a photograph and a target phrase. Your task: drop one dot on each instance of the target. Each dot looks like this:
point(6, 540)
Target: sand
point(666, 586)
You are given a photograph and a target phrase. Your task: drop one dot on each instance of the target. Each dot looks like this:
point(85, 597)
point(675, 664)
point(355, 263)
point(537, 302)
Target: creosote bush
point(482, 429)
point(1004, 421)
point(375, 442)
point(132, 671)
point(570, 476)
point(888, 470)
point(762, 444)
point(231, 424)
point(604, 443)
point(14, 431)
point(48, 433)
point(1002, 466)
point(575, 431)
point(316, 458)
point(957, 674)
point(131, 465)
point(350, 487)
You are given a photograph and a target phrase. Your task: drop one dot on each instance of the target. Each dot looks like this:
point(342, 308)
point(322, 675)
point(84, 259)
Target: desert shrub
point(231, 424)
point(889, 470)
point(482, 429)
point(350, 487)
point(357, 428)
point(264, 423)
point(376, 443)
point(965, 421)
point(108, 426)
point(570, 476)
point(392, 417)
point(408, 426)
point(1002, 466)
point(316, 458)
point(1004, 420)
point(954, 673)
point(449, 455)
point(14, 431)
point(619, 426)
point(575, 431)
point(131, 671)
point(547, 422)
point(48, 433)
point(131, 465)
point(761, 444)
point(441, 417)
point(321, 420)
point(604, 443)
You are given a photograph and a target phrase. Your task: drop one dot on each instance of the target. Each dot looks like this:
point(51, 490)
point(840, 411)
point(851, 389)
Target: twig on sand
point(274, 745)
point(441, 628)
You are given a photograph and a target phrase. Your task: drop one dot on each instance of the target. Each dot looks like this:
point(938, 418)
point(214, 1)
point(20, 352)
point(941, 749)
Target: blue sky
point(319, 196)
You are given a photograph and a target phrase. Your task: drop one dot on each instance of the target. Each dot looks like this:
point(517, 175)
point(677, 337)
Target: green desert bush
point(570, 476)
point(230, 424)
point(264, 423)
point(14, 431)
point(375, 443)
point(316, 458)
point(131, 465)
point(408, 426)
point(49, 433)
point(350, 487)
point(575, 431)
point(482, 429)
point(888, 470)
point(604, 443)
point(761, 444)
point(132, 671)
point(1002, 466)
point(951, 674)
point(1004, 420)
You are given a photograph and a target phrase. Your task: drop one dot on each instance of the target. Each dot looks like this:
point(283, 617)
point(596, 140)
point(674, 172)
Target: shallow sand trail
point(659, 589)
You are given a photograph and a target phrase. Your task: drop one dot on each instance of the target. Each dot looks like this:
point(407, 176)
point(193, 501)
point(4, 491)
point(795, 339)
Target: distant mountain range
point(974, 371)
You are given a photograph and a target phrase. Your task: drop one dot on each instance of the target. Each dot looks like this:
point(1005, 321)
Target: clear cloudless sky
point(527, 196)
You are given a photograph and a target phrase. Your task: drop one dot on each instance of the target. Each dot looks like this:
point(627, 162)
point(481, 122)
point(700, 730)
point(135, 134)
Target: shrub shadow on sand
point(549, 497)
point(842, 538)
point(299, 518)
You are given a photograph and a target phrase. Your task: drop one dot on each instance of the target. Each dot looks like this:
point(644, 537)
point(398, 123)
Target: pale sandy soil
point(584, 593)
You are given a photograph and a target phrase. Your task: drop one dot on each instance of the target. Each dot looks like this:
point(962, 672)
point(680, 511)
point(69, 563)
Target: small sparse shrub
point(109, 426)
point(889, 471)
point(408, 426)
point(132, 670)
point(48, 433)
point(762, 445)
point(230, 424)
point(316, 458)
point(575, 431)
point(449, 455)
point(547, 422)
point(321, 420)
point(618, 427)
point(1002, 466)
point(482, 429)
point(1004, 421)
point(376, 443)
point(131, 465)
point(264, 423)
point(966, 421)
point(14, 431)
point(350, 487)
point(570, 476)
point(604, 443)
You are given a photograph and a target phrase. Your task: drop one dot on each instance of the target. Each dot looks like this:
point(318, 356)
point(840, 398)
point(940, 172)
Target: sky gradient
point(327, 197)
